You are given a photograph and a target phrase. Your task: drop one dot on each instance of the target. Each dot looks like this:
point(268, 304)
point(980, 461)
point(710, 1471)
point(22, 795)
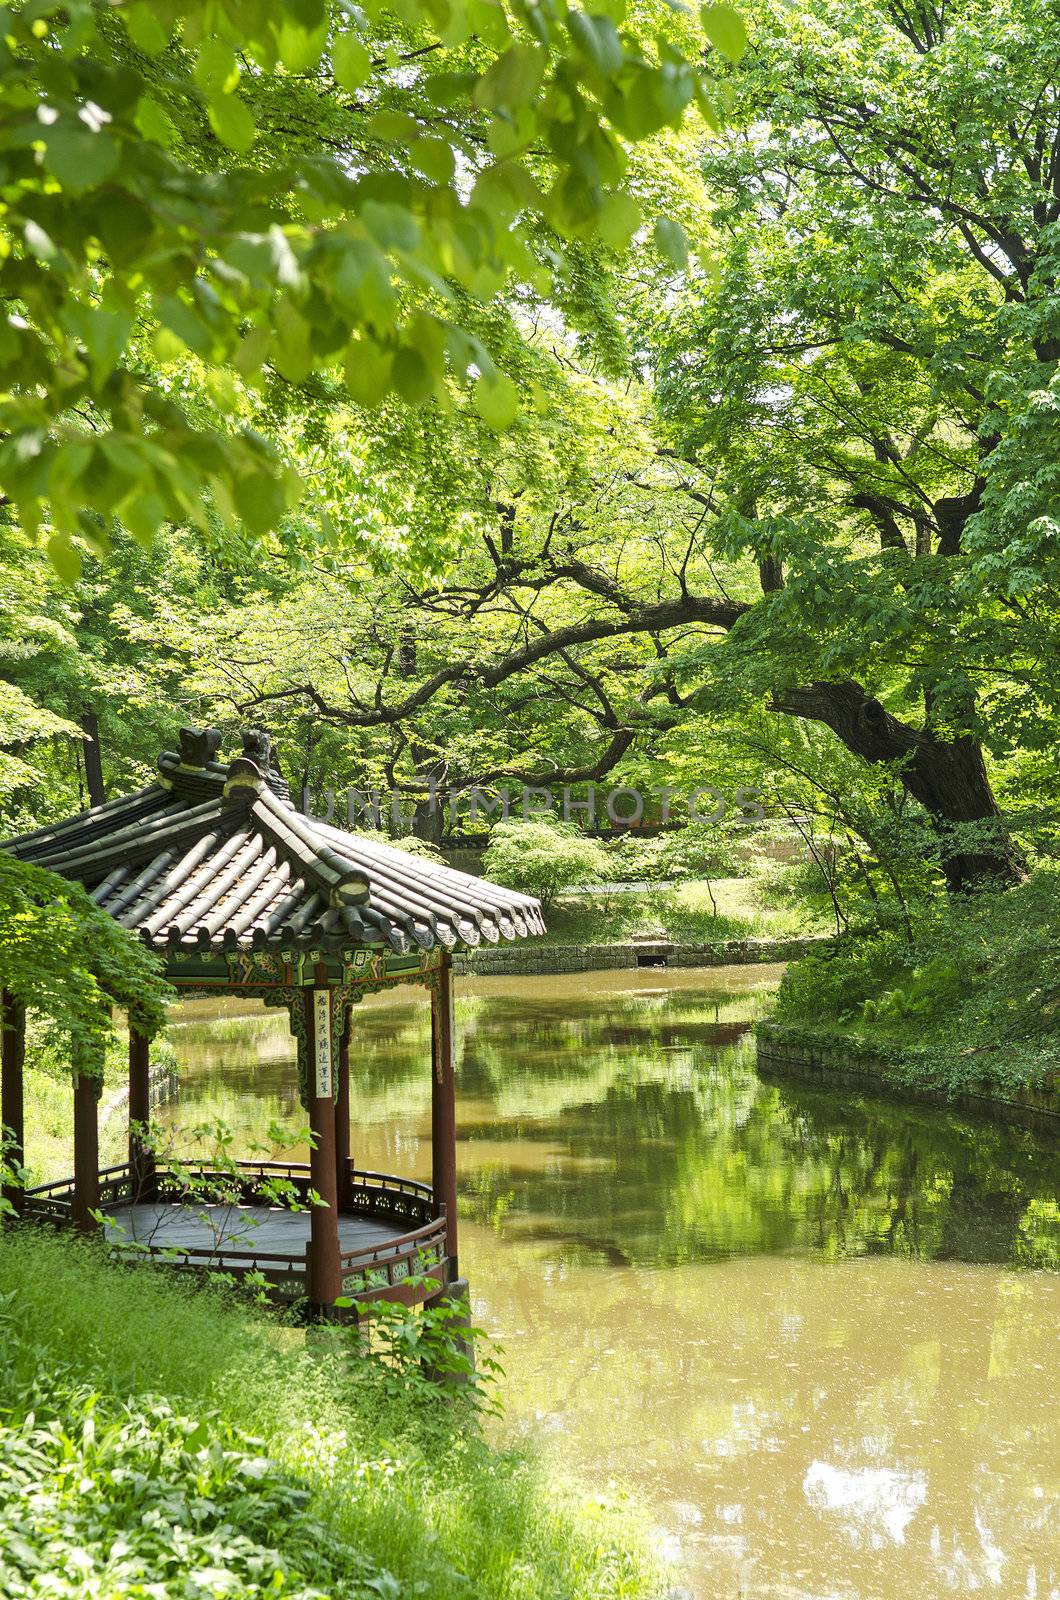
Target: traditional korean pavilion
point(240, 893)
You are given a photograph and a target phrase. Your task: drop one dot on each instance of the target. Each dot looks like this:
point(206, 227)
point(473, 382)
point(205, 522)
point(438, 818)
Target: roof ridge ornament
point(259, 748)
point(198, 745)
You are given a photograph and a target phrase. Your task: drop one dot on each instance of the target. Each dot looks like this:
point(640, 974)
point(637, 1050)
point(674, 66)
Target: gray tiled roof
point(213, 856)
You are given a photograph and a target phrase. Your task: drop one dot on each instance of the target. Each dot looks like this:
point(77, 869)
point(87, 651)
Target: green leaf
point(232, 122)
point(392, 226)
point(620, 217)
point(513, 80)
point(104, 334)
point(367, 372)
point(291, 351)
point(670, 241)
point(707, 109)
point(496, 401)
point(597, 40)
point(77, 157)
point(186, 324)
point(215, 69)
point(300, 48)
point(449, 88)
point(64, 557)
point(260, 501)
point(434, 158)
point(724, 27)
point(154, 124)
point(145, 29)
point(351, 62)
point(412, 376)
point(639, 112)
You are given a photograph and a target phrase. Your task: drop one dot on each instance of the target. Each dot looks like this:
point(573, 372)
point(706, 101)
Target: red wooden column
point(342, 1111)
point(12, 1100)
point(325, 1279)
point(141, 1158)
point(443, 1102)
point(86, 1154)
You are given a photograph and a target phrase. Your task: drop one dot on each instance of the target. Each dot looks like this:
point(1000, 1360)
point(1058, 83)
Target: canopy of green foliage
point(61, 955)
point(285, 189)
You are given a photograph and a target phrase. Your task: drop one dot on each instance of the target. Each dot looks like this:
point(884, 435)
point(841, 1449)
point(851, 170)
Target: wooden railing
point(245, 1185)
point(54, 1202)
point(409, 1269)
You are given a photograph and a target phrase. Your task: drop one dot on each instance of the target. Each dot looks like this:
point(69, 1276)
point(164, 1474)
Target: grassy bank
point(151, 1434)
point(50, 1103)
point(965, 999)
point(697, 912)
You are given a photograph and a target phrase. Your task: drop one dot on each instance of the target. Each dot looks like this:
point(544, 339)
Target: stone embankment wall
point(837, 1061)
point(164, 1088)
point(529, 959)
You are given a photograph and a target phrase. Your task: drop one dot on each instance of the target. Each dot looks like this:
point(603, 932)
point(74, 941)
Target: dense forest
point(495, 395)
point(686, 450)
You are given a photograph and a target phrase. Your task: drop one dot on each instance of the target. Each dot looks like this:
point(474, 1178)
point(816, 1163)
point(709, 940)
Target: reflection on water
point(789, 1321)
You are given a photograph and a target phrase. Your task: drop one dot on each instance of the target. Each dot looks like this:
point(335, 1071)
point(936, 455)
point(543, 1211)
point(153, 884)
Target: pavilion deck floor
point(261, 1230)
point(392, 1238)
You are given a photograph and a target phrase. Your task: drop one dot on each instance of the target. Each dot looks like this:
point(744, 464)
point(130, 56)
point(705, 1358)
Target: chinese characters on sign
point(322, 1041)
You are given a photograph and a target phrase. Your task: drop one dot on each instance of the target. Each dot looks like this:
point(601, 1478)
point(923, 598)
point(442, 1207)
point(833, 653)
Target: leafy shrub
point(121, 1499)
point(834, 985)
point(635, 859)
point(410, 1349)
point(695, 851)
point(704, 851)
point(543, 858)
point(12, 1173)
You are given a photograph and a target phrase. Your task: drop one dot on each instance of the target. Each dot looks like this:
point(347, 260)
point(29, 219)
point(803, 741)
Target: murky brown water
point(815, 1335)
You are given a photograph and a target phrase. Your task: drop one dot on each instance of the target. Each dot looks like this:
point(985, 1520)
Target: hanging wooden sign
point(322, 1042)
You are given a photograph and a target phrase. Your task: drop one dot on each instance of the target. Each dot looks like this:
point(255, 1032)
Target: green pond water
point(814, 1334)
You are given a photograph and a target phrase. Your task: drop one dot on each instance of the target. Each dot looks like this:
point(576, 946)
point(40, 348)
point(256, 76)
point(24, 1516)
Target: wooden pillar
point(141, 1158)
point(443, 1103)
point(86, 1154)
point(325, 1279)
point(12, 1094)
point(342, 1112)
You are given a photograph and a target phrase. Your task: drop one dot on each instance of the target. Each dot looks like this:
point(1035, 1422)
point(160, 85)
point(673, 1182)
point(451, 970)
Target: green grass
point(340, 1484)
point(741, 908)
point(50, 1128)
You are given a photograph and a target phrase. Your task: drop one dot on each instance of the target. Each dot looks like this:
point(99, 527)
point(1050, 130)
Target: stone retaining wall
point(529, 959)
point(844, 1062)
point(164, 1086)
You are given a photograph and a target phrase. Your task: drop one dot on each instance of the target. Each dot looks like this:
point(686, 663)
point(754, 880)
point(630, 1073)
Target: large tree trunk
point(947, 776)
point(429, 814)
point(97, 793)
